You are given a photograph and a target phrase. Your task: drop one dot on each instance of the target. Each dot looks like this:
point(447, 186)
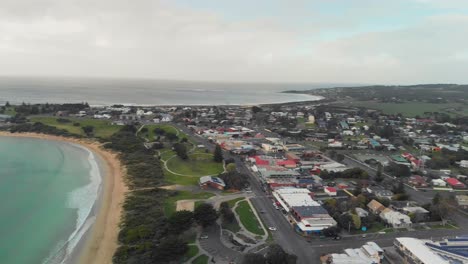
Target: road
point(310, 251)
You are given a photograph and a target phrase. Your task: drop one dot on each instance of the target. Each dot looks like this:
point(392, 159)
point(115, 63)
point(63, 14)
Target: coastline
point(100, 242)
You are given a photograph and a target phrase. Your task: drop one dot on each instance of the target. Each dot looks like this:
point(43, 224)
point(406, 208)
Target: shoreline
point(99, 243)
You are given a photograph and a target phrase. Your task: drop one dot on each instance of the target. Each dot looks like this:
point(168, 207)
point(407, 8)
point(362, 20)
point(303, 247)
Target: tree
point(180, 221)
point(159, 131)
point(436, 199)
point(171, 248)
point(171, 136)
point(218, 154)
point(356, 221)
point(205, 215)
point(378, 175)
point(88, 130)
point(276, 255)
point(340, 157)
point(235, 180)
point(7, 104)
point(399, 188)
point(181, 150)
point(253, 258)
point(256, 109)
point(231, 167)
point(226, 213)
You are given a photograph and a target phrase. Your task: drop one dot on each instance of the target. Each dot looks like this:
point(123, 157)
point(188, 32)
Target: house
point(330, 191)
point(369, 253)
point(361, 212)
point(206, 182)
point(462, 201)
point(455, 183)
point(380, 192)
point(375, 207)
point(464, 163)
point(395, 219)
point(438, 183)
point(417, 212)
point(417, 181)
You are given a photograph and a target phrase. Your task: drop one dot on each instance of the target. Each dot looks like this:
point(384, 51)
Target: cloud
point(158, 39)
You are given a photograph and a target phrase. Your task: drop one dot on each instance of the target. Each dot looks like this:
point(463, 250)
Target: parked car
point(204, 236)
point(272, 228)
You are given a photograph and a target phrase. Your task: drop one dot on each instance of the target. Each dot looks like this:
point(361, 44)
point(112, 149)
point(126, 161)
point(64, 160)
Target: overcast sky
point(340, 41)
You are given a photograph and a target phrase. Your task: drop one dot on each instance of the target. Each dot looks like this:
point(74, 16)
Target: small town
point(328, 184)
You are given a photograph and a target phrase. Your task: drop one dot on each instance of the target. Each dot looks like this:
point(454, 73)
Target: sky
point(317, 41)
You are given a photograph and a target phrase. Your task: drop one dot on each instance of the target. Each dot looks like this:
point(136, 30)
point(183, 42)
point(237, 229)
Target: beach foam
point(83, 199)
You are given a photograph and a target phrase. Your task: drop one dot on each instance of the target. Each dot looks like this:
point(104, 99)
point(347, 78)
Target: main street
point(309, 251)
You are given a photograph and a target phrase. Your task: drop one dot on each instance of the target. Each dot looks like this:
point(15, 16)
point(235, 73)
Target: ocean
point(147, 92)
point(48, 190)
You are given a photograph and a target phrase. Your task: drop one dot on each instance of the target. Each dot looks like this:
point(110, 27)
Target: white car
point(272, 228)
point(204, 237)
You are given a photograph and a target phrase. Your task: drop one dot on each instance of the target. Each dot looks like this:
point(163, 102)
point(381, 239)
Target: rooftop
point(420, 250)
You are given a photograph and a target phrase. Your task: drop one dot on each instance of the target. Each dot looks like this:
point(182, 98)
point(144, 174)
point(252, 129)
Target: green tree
point(205, 215)
point(276, 255)
point(356, 221)
point(226, 213)
point(378, 175)
point(88, 130)
point(180, 221)
point(7, 104)
point(231, 167)
point(218, 154)
point(181, 150)
point(253, 258)
point(170, 249)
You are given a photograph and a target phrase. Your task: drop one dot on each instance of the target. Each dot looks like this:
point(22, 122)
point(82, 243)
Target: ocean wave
point(83, 199)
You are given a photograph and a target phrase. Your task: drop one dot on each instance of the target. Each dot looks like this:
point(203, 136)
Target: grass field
point(234, 201)
point(248, 218)
point(192, 252)
point(170, 202)
point(199, 164)
point(202, 259)
point(150, 135)
point(411, 109)
point(102, 128)
point(181, 180)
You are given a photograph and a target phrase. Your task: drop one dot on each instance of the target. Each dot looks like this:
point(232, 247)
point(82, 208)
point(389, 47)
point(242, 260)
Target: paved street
point(309, 252)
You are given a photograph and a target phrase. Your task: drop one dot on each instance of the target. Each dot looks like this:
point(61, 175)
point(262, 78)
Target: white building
point(438, 183)
point(370, 253)
point(415, 251)
point(395, 219)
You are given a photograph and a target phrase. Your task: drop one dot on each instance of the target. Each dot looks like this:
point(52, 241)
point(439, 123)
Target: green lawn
point(192, 252)
point(248, 218)
point(181, 180)
point(411, 109)
point(376, 227)
point(196, 165)
point(234, 201)
point(170, 202)
point(202, 259)
point(167, 128)
point(102, 128)
point(10, 111)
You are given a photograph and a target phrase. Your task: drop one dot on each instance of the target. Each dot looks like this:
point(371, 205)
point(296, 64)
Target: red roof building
point(417, 181)
point(454, 183)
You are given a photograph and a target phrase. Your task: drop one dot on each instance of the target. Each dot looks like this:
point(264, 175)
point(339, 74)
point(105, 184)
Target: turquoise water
point(46, 193)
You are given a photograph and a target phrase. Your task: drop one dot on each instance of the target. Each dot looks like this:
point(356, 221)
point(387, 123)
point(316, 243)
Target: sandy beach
point(101, 243)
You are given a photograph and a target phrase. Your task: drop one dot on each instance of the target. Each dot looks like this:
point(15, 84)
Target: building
point(369, 253)
point(307, 216)
point(453, 249)
point(330, 191)
point(455, 183)
point(417, 181)
point(380, 192)
point(375, 207)
point(206, 182)
point(415, 251)
point(395, 219)
point(462, 201)
point(438, 183)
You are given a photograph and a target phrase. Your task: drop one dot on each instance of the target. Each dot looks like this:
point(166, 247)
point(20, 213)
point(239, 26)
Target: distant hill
point(420, 92)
